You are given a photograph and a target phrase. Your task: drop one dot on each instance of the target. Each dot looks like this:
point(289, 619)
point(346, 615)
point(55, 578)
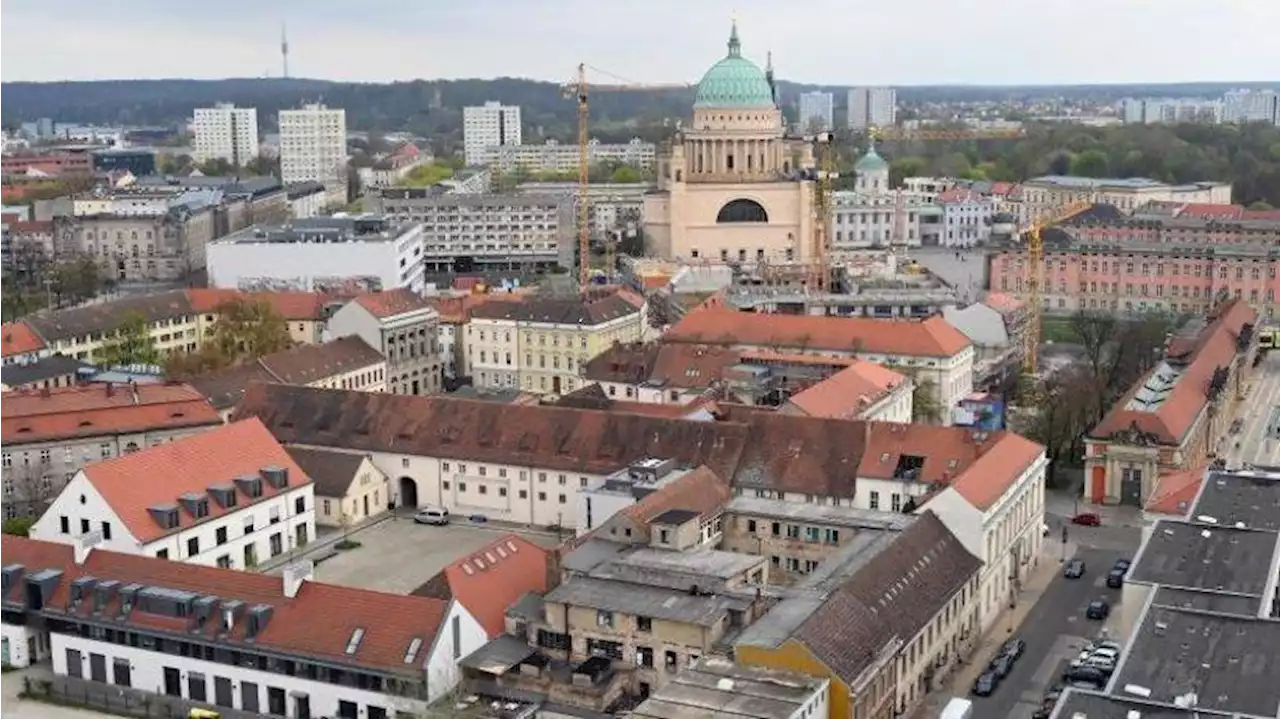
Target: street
point(1257, 444)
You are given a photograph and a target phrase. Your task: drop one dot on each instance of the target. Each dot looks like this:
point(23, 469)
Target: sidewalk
point(966, 673)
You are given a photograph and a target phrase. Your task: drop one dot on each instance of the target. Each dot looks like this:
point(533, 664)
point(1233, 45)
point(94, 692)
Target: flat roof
point(1175, 598)
point(1207, 558)
point(352, 228)
point(1248, 497)
point(818, 514)
point(1229, 664)
point(710, 563)
point(640, 600)
point(715, 688)
point(1085, 704)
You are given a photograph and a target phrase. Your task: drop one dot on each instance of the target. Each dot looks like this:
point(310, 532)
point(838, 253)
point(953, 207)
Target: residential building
point(21, 344)
point(313, 147)
point(489, 580)
point(653, 503)
point(966, 217)
point(349, 488)
point(306, 199)
point(225, 132)
point(257, 643)
point(51, 433)
point(868, 215)
point(872, 107)
point(1154, 110)
point(245, 200)
point(305, 313)
point(715, 688)
point(27, 247)
point(555, 157)
point(1241, 106)
point(344, 254)
point(403, 327)
point(937, 356)
point(47, 373)
point(540, 344)
point(470, 233)
point(59, 162)
point(345, 363)
point(455, 315)
point(997, 328)
point(489, 125)
point(884, 634)
point(1043, 195)
point(817, 112)
point(1176, 416)
point(390, 169)
point(863, 390)
point(230, 497)
point(611, 206)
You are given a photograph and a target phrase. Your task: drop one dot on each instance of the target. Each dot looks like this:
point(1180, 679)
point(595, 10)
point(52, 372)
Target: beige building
point(349, 488)
point(1045, 194)
point(50, 434)
point(730, 187)
point(404, 328)
point(541, 344)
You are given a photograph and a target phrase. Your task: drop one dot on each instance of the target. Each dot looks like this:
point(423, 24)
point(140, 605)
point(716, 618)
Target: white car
point(432, 515)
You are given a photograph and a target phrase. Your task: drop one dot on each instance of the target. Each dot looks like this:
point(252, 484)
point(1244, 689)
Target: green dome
point(871, 162)
point(735, 82)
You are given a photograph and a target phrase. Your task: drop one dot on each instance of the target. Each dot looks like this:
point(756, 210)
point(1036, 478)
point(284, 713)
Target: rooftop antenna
point(284, 49)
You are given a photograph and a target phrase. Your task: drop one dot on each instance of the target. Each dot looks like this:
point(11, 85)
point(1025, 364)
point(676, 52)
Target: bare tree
point(28, 489)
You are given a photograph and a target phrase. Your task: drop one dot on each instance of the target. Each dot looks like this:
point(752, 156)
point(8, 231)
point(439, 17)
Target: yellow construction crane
point(1035, 271)
point(819, 254)
point(578, 89)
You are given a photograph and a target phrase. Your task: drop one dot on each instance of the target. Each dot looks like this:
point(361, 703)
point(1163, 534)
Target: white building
point(225, 132)
point(716, 688)
point(556, 157)
point(817, 111)
point(1251, 106)
point(313, 147)
point(966, 217)
point(1152, 110)
point(255, 642)
point(192, 500)
point(306, 199)
point(866, 216)
point(490, 125)
point(341, 254)
point(872, 107)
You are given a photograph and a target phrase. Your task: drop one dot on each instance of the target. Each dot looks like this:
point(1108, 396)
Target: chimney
point(295, 574)
point(111, 389)
point(85, 543)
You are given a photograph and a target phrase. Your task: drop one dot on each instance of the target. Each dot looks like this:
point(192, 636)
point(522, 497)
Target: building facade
point(966, 217)
point(1042, 195)
point(488, 126)
point(817, 111)
point(872, 107)
point(733, 187)
point(313, 147)
point(404, 328)
point(555, 157)
point(141, 237)
point(225, 132)
point(872, 215)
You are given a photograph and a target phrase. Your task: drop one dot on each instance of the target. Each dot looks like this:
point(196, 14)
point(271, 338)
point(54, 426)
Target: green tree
point(1260, 206)
point(925, 408)
point(906, 167)
point(130, 344)
point(248, 329)
point(626, 174)
point(217, 167)
point(18, 526)
point(1091, 163)
point(263, 165)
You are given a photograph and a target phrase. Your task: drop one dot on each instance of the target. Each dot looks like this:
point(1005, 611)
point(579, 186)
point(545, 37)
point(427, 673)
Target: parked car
point(1109, 644)
point(1014, 648)
point(1002, 665)
point(1098, 609)
point(1074, 569)
point(1122, 564)
point(1052, 694)
point(432, 515)
point(985, 685)
point(1115, 578)
point(1087, 519)
point(1086, 675)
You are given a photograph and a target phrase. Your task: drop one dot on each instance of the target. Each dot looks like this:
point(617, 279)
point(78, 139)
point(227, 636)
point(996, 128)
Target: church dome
point(871, 162)
point(735, 82)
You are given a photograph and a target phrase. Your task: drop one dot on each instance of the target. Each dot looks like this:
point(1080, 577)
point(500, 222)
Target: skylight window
point(412, 652)
point(353, 644)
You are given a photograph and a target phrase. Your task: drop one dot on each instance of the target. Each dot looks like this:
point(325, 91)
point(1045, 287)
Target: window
point(196, 687)
point(106, 530)
point(664, 536)
point(64, 524)
point(224, 562)
point(221, 536)
point(644, 624)
point(162, 554)
point(193, 546)
point(604, 618)
point(84, 526)
point(299, 505)
point(875, 500)
point(751, 526)
point(121, 672)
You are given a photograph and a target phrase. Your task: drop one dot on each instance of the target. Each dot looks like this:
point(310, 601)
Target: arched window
point(742, 211)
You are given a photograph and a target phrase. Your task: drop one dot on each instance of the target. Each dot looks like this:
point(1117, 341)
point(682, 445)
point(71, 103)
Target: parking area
point(399, 555)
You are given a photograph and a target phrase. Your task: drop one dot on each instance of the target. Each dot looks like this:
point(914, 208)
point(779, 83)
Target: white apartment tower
point(489, 126)
point(816, 111)
point(313, 148)
point(226, 132)
point(872, 107)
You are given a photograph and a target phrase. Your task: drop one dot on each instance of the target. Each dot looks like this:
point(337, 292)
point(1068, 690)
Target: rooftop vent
point(81, 588)
point(276, 476)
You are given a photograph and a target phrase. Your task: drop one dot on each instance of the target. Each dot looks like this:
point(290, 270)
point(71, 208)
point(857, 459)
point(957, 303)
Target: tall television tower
point(284, 49)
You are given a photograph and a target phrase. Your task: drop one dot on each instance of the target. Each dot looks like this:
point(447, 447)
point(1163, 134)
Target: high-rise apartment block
point(872, 107)
point(1251, 106)
point(816, 111)
point(1151, 110)
point(226, 132)
point(489, 126)
point(313, 148)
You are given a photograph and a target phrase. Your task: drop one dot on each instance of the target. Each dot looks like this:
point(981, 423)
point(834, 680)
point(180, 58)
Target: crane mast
point(819, 261)
point(584, 180)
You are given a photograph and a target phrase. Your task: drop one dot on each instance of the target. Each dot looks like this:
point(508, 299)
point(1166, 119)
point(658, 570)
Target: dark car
point(1002, 666)
point(1098, 609)
point(985, 685)
point(1115, 578)
point(1052, 695)
point(1087, 519)
point(1087, 675)
point(1122, 564)
point(1074, 569)
point(1013, 649)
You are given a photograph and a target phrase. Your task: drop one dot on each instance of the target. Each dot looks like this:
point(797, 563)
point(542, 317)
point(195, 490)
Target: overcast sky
point(894, 42)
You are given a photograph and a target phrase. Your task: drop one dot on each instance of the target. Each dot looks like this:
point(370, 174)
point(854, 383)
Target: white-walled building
point(553, 156)
point(966, 217)
point(225, 132)
point(306, 199)
point(866, 215)
point(817, 111)
point(342, 254)
point(231, 498)
point(264, 644)
point(872, 107)
point(313, 147)
point(486, 126)
point(402, 326)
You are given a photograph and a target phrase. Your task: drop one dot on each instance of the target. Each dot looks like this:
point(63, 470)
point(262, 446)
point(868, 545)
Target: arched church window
point(742, 211)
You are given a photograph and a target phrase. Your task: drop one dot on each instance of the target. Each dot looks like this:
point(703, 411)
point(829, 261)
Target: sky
point(836, 42)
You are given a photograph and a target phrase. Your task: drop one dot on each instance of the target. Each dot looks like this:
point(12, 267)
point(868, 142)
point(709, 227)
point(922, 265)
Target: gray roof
point(45, 368)
point(1096, 705)
point(825, 515)
point(1207, 558)
point(590, 554)
point(715, 688)
point(640, 600)
point(1249, 497)
point(530, 607)
point(707, 569)
point(298, 190)
point(331, 471)
point(1177, 598)
point(499, 655)
point(108, 316)
point(352, 228)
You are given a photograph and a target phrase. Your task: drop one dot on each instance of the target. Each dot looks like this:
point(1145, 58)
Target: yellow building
point(540, 344)
point(732, 187)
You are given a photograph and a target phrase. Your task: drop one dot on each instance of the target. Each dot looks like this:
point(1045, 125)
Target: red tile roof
point(1205, 211)
point(157, 476)
point(316, 623)
point(19, 338)
point(1175, 491)
point(489, 580)
point(293, 306)
point(391, 302)
point(701, 490)
point(302, 364)
point(958, 194)
point(848, 392)
point(933, 337)
point(457, 310)
point(675, 366)
point(31, 227)
point(99, 410)
point(1005, 304)
point(1196, 360)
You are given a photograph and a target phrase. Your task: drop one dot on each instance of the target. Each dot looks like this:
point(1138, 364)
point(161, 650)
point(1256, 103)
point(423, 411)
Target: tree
point(1091, 163)
point(18, 526)
point(217, 167)
point(175, 164)
point(925, 407)
point(245, 330)
point(132, 343)
point(626, 174)
point(263, 165)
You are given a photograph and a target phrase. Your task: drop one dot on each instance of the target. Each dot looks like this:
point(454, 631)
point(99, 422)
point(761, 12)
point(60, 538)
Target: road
point(1054, 630)
point(1259, 411)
